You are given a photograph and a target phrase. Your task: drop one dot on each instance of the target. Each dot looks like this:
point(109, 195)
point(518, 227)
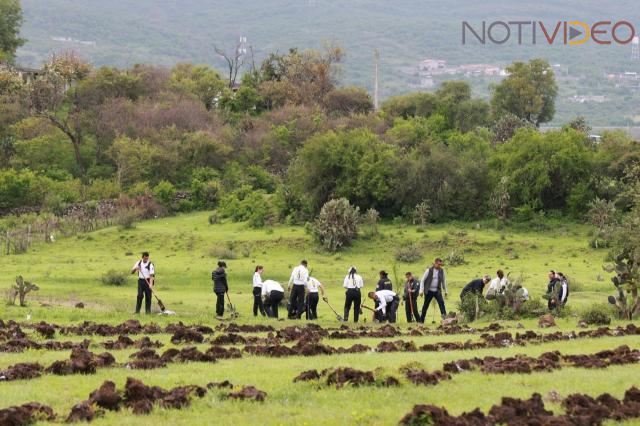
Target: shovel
point(338, 317)
point(232, 308)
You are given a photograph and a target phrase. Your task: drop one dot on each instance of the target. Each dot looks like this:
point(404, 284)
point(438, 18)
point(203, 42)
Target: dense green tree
point(200, 81)
point(348, 100)
point(10, 22)
point(528, 92)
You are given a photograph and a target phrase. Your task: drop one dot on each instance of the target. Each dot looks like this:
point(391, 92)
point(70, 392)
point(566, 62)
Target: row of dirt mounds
point(579, 410)
point(136, 396)
point(346, 376)
point(548, 361)
point(422, 377)
point(81, 361)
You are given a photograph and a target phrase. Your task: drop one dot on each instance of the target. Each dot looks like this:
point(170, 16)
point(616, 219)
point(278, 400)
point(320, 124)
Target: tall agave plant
point(626, 283)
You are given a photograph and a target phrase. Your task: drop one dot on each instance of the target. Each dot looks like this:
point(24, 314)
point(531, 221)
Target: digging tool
point(338, 317)
point(160, 304)
point(232, 309)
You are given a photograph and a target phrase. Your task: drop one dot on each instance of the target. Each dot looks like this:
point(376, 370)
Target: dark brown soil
point(220, 385)
point(146, 359)
point(229, 339)
point(248, 392)
point(81, 412)
point(306, 376)
point(218, 352)
point(47, 331)
point(81, 361)
point(349, 376)
point(26, 414)
point(106, 396)
point(422, 377)
point(22, 371)
point(186, 335)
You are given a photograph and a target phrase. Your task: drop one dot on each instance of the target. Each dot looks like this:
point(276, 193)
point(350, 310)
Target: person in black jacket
point(384, 283)
point(411, 290)
point(220, 286)
point(475, 287)
point(551, 288)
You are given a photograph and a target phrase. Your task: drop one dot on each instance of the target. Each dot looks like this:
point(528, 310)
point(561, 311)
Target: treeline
point(277, 142)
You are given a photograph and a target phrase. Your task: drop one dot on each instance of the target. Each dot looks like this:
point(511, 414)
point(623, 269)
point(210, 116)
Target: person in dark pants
point(475, 287)
point(220, 286)
point(313, 285)
point(257, 291)
point(353, 283)
point(433, 282)
point(388, 303)
point(146, 276)
point(411, 290)
point(384, 283)
point(298, 279)
point(551, 290)
point(273, 294)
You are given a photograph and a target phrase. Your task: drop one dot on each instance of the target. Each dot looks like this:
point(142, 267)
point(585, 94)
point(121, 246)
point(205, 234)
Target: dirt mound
point(432, 415)
point(173, 328)
point(349, 376)
point(357, 348)
point(422, 377)
point(306, 376)
point(397, 346)
point(21, 371)
point(220, 385)
point(385, 331)
point(311, 349)
point(45, 330)
point(125, 342)
point(106, 396)
point(81, 412)
point(81, 361)
point(276, 351)
point(192, 354)
point(546, 321)
point(219, 352)
point(79, 305)
point(235, 328)
point(128, 327)
point(248, 392)
point(390, 381)
point(146, 359)
point(229, 339)
point(180, 397)
point(26, 414)
point(186, 335)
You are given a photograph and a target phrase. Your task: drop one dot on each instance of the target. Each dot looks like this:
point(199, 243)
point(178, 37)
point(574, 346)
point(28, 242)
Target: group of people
point(304, 292)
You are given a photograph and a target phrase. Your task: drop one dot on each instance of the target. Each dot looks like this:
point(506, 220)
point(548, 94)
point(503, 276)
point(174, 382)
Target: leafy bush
point(165, 193)
point(223, 253)
point(245, 204)
point(213, 218)
point(409, 253)
point(472, 306)
point(113, 277)
point(126, 219)
point(455, 258)
point(597, 314)
point(336, 225)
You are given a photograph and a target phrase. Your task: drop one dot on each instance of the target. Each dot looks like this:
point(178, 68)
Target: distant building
point(583, 99)
point(28, 75)
point(432, 66)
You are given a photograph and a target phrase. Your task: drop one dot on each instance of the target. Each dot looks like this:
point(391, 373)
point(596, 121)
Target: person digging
point(146, 276)
point(220, 287)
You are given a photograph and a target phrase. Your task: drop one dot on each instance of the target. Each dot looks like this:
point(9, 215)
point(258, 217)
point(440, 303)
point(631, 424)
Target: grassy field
point(184, 250)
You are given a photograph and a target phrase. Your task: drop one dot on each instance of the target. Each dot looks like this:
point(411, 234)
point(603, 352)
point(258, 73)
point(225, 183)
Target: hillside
point(406, 31)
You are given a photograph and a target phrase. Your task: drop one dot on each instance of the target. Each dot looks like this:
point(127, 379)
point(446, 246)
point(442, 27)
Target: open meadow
point(399, 366)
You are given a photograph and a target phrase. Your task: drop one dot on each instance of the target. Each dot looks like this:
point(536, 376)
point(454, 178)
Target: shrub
point(597, 314)
point(165, 193)
point(115, 278)
point(126, 219)
point(223, 253)
point(213, 218)
point(472, 306)
point(455, 258)
point(409, 253)
point(336, 225)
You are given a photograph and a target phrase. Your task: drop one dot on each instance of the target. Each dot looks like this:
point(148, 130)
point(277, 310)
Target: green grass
point(183, 247)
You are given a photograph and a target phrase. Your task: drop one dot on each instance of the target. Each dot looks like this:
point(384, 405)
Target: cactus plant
point(626, 283)
point(21, 288)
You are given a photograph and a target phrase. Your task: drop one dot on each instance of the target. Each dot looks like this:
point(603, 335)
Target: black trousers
point(352, 298)
point(427, 301)
point(392, 309)
point(312, 306)
point(271, 303)
point(144, 291)
point(257, 302)
point(296, 301)
point(412, 306)
point(219, 304)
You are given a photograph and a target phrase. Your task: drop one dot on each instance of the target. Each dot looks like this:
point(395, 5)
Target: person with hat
point(220, 286)
point(353, 283)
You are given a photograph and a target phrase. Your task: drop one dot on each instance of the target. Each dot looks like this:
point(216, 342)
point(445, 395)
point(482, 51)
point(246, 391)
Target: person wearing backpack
point(146, 276)
point(220, 286)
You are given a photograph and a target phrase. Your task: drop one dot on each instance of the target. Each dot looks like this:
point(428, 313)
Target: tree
point(529, 92)
point(10, 22)
point(200, 81)
point(54, 98)
point(336, 225)
point(506, 126)
point(348, 100)
point(234, 60)
point(133, 158)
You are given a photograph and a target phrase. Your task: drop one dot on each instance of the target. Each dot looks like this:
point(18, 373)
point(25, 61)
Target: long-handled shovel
point(232, 309)
point(338, 317)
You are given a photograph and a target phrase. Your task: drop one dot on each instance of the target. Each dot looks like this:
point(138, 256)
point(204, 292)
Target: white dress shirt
point(270, 285)
point(299, 275)
point(313, 285)
point(497, 284)
point(353, 282)
point(384, 297)
point(257, 280)
point(146, 269)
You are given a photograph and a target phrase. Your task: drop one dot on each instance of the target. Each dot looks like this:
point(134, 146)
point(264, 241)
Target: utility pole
point(376, 83)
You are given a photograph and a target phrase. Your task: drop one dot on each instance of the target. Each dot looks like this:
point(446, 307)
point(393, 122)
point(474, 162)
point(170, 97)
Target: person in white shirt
point(273, 293)
point(257, 291)
point(353, 283)
point(146, 275)
point(299, 277)
point(313, 285)
point(497, 285)
point(388, 303)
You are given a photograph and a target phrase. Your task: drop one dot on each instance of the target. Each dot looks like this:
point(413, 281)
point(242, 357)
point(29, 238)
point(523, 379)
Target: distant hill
point(119, 32)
